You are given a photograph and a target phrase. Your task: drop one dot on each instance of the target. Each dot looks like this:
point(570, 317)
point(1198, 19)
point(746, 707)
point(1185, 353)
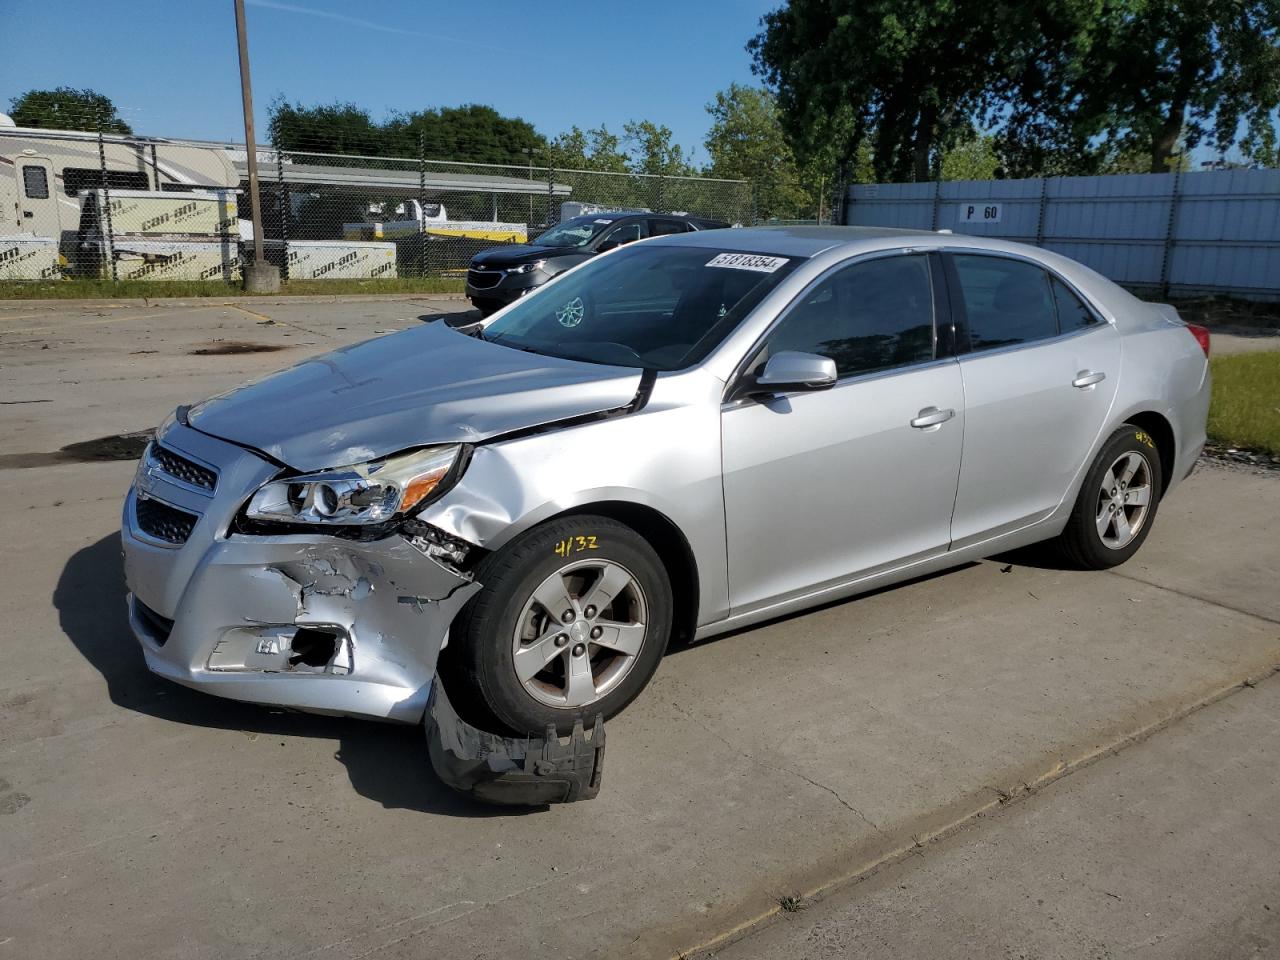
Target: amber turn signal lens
point(420, 488)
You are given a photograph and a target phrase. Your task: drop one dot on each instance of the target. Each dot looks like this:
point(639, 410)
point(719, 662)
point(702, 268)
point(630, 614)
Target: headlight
point(527, 267)
point(365, 493)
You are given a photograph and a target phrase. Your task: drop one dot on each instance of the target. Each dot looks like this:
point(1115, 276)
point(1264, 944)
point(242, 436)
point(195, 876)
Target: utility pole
point(259, 276)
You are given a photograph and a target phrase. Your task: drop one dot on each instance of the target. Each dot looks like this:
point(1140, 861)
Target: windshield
point(659, 307)
point(573, 233)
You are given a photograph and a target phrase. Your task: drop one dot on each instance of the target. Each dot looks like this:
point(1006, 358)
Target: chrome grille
point(159, 520)
point(483, 279)
point(181, 469)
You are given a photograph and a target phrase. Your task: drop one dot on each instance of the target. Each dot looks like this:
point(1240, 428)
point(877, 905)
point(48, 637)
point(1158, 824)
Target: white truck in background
point(410, 218)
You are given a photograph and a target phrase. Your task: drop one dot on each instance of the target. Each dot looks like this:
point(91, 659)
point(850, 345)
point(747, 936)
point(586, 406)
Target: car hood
point(422, 386)
point(516, 253)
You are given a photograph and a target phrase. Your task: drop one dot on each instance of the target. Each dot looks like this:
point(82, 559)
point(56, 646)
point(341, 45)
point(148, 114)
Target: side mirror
point(791, 371)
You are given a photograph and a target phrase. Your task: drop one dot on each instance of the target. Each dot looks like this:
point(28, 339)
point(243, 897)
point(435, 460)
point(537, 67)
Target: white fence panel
point(1184, 233)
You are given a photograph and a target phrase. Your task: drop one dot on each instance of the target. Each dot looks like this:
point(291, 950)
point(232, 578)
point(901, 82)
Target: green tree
point(747, 142)
point(1261, 147)
point(473, 132)
point(906, 75)
point(1072, 86)
point(595, 149)
point(650, 150)
point(66, 108)
point(1152, 73)
point(325, 128)
point(1128, 85)
point(972, 157)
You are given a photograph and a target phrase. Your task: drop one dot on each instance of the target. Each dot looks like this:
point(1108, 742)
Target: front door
point(1039, 381)
point(823, 487)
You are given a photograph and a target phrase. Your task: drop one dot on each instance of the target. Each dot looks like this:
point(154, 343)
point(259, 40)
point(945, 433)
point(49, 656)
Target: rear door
point(1040, 374)
point(37, 207)
point(628, 231)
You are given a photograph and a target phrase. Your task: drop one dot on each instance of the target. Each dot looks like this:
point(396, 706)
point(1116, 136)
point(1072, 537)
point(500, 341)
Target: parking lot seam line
point(704, 725)
point(1060, 770)
point(1191, 596)
point(262, 317)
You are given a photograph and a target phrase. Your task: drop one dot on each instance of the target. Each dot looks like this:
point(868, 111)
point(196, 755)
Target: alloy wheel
point(579, 633)
point(1124, 500)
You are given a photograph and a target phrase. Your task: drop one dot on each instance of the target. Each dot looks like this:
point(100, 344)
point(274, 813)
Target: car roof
point(799, 241)
point(810, 241)
point(612, 215)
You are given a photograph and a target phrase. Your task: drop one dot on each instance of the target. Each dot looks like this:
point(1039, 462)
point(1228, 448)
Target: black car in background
point(503, 274)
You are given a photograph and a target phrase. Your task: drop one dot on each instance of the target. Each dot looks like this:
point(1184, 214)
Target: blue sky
point(171, 66)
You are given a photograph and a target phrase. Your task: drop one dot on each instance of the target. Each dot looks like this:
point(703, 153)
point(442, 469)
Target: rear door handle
point(932, 417)
point(1087, 378)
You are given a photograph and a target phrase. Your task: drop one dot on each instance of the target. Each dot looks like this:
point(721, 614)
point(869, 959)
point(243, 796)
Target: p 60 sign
point(979, 212)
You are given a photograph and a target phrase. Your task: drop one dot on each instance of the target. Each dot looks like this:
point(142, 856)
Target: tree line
point(1058, 86)
point(880, 90)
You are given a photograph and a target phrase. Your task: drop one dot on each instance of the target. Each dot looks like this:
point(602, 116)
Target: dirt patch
point(118, 446)
point(1254, 461)
point(226, 347)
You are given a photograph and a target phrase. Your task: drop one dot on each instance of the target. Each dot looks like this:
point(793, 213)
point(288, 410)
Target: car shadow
point(1040, 556)
point(385, 762)
point(681, 646)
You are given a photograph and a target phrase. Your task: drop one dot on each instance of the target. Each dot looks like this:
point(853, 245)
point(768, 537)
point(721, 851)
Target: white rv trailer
point(42, 173)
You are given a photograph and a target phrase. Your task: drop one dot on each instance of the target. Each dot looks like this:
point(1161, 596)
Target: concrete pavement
point(1169, 851)
point(138, 818)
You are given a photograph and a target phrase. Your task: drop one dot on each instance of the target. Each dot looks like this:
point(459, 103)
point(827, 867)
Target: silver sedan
point(676, 439)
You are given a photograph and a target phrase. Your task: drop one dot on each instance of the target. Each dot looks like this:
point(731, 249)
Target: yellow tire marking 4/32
point(575, 545)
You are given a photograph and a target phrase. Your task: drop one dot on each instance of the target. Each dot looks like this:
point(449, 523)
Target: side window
point(1072, 314)
point(869, 316)
point(624, 233)
point(35, 183)
point(75, 179)
point(662, 228)
point(1006, 302)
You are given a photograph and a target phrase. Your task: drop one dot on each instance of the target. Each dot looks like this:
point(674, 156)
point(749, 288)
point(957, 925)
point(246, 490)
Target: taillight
point(1202, 336)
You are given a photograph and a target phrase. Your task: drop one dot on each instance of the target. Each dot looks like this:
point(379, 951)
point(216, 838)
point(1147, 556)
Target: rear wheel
point(571, 622)
point(1117, 503)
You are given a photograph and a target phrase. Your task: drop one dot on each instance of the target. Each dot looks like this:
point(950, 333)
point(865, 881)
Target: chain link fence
point(117, 207)
point(430, 217)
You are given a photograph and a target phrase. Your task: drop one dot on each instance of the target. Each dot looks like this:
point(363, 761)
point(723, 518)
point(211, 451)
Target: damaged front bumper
point(307, 621)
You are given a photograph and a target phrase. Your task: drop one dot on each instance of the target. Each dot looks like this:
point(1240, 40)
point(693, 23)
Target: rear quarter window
point(1072, 313)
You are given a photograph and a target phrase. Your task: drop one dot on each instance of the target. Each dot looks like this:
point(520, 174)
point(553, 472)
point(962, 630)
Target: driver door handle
point(1087, 378)
point(932, 417)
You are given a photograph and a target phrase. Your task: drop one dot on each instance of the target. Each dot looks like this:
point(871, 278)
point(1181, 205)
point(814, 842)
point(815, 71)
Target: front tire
point(1117, 504)
point(571, 623)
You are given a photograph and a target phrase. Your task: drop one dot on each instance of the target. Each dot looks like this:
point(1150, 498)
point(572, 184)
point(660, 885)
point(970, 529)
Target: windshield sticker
point(570, 315)
point(747, 261)
point(602, 221)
